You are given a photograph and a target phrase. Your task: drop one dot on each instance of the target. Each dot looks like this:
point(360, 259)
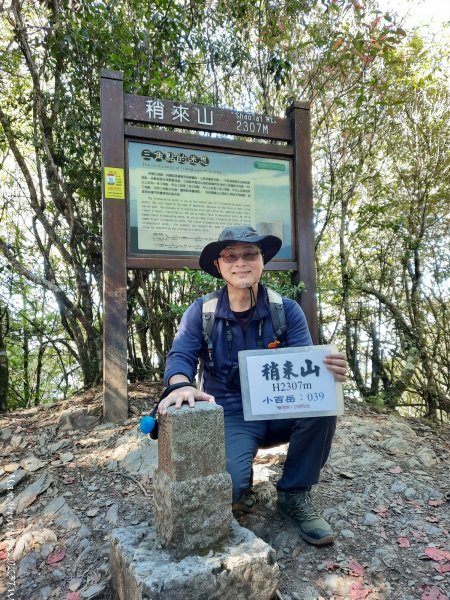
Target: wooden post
point(299, 114)
point(115, 389)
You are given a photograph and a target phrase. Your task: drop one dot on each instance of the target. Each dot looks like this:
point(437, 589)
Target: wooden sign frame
point(165, 122)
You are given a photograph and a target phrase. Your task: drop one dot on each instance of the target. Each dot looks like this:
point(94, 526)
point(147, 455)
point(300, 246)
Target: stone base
point(193, 515)
point(243, 568)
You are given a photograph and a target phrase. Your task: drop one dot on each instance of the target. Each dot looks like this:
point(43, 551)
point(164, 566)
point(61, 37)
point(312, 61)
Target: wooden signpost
point(173, 176)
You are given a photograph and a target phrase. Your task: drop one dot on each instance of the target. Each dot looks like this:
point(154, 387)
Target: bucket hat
point(269, 244)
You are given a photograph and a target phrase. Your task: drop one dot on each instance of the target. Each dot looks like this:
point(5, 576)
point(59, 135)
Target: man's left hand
point(337, 364)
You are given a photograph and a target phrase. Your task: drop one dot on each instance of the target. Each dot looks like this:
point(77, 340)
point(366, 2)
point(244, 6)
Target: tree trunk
point(376, 360)
point(37, 388)
point(26, 368)
point(4, 371)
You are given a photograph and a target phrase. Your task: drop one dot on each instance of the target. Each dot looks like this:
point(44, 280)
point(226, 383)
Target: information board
point(289, 383)
point(168, 191)
point(180, 198)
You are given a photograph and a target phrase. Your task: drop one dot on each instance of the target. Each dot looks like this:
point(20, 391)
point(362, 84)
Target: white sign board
point(289, 383)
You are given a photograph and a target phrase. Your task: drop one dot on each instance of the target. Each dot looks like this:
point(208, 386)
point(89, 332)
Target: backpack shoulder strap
point(278, 315)
point(209, 305)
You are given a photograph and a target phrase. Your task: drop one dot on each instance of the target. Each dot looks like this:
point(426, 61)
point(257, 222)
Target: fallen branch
point(144, 491)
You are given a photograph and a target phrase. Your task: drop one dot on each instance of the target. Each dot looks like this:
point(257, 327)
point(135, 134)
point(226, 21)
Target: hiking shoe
point(298, 507)
point(246, 503)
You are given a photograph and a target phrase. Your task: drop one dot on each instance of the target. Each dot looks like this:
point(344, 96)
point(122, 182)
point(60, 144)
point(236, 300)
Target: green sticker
point(261, 164)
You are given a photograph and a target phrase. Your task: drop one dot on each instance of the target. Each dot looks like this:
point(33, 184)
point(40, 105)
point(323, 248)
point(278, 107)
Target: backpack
point(277, 314)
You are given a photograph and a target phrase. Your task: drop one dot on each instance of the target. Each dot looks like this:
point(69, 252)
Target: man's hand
point(337, 364)
point(187, 394)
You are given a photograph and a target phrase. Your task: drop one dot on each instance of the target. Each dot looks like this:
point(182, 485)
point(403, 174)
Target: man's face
point(240, 265)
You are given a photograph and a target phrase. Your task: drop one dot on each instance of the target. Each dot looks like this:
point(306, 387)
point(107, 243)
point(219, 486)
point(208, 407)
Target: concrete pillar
point(192, 489)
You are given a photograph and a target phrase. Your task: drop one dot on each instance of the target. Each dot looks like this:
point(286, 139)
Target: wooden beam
point(205, 118)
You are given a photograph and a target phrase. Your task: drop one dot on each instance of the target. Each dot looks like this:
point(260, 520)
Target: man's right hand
point(187, 394)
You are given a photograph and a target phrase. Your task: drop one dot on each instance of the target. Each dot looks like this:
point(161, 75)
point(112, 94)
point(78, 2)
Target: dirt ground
point(385, 490)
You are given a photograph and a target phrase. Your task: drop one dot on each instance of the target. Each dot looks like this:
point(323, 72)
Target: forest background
point(380, 108)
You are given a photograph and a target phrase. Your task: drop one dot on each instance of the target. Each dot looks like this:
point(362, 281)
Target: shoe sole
point(325, 541)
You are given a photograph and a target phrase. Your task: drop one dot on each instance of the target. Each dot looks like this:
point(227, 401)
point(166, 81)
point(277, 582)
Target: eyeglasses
point(231, 257)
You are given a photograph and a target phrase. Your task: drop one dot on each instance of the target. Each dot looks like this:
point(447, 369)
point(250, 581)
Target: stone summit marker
point(195, 550)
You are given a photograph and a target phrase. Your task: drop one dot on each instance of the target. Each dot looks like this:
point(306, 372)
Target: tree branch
point(48, 285)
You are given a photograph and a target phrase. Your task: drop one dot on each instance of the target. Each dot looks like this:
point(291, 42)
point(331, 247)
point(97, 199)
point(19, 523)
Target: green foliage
point(377, 401)
point(198, 284)
point(283, 283)
point(387, 181)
